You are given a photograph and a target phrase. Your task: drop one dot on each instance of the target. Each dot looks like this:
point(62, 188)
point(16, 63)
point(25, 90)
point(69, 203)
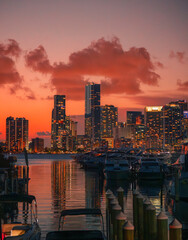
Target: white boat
point(117, 167)
point(13, 228)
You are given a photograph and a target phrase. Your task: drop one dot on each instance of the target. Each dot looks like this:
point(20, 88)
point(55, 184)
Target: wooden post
point(175, 230)
point(146, 203)
point(108, 194)
point(177, 186)
point(151, 223)
point(135, 221)
point(108, 199)
point(115, 211)
point(120, 193)
point(140, 216)
point(128, 231)
point(113, 202)
point(121, 219)
point(162, 226)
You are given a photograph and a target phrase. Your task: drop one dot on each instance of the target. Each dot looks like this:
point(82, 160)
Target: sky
point(137, 50)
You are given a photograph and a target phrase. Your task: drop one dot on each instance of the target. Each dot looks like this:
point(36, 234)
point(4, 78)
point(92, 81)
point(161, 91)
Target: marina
point(60, 183)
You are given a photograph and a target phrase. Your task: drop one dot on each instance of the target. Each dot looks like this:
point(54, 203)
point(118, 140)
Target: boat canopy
point(17, 198)
point(81, 211)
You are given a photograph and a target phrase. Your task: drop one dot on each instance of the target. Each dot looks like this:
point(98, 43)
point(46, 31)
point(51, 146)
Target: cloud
point(10, 49)
point(180, 56)
point(38, 60)
point(8, 72)
point(44, 133)
point(120, 71)
point(0, 133)
point(182, 86)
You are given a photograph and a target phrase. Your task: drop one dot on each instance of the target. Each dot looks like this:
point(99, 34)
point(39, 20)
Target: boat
point(15, 226)
point(150, 168)
point(178, 187)
point(78, 234)
point(117, 167)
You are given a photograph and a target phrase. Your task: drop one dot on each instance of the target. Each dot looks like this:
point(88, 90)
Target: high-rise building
point(135, 117)
point(92, 111)
point(16, 134)
point(109, 119)
point(58, 130)
point(172, 124)
point(10, 133)
point(21, 133)
point(37, 144)
point(154, 126)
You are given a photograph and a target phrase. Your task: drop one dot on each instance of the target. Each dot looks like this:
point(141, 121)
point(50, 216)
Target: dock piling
point(120, 193)
point(175, 230)
point(162, 226)
point(128, 231)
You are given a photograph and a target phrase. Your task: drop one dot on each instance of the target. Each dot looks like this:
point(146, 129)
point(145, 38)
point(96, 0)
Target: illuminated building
point(37, 145)
point(16, 134)
point(10, 133)
point(21, 133)
point(122, 134)
point(58, 130)
point(154, 126)
point(135, 118)
point(109, 119)
point(172, 124)
point(92, 112)
point(185, 124)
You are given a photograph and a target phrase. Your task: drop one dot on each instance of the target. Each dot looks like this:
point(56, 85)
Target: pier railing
point(146, 224)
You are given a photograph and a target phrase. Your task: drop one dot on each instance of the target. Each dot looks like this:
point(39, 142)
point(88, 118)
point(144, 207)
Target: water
point(59, 183)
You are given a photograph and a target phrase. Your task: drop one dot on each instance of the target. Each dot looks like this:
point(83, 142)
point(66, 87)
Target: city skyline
point(52, 53)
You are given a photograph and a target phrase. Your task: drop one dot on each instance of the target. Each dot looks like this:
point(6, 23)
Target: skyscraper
point(58, 130)
point(10, 133)
point(135, 117)
point(16, 134)
point(109, 119)
point(172, 124)
point(92, 111)
point(154, 126)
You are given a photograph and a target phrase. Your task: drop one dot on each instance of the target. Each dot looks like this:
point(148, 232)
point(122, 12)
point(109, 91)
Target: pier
point(146, 223)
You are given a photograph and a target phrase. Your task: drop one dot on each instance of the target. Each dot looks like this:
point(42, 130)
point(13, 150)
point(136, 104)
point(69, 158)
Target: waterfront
point(59, 183)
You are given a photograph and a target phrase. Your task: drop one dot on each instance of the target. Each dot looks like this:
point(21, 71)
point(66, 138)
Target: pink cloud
point(182, 86)
point(8, 72)
point(120, 71)
point(180, 56)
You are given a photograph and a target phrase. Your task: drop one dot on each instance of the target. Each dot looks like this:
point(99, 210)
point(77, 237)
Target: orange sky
point(138, 52)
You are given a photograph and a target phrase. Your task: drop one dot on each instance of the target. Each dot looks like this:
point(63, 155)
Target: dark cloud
point(38, 60)
point(46, 133)
point(159, 100)
point(182, 86)
point(180, 56)
point(10, 49)
point(120, 71)
point(8, 72)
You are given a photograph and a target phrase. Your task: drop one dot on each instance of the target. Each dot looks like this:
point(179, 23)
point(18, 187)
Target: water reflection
point(59, 183)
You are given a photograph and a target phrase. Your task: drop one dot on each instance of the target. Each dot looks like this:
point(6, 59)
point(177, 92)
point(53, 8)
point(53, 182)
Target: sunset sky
point(137, 50)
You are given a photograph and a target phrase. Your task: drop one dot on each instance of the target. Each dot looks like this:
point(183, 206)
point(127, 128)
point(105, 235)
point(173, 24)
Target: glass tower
point(92, 111)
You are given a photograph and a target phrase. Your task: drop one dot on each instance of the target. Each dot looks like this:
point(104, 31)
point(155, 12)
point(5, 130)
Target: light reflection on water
point(59, 183)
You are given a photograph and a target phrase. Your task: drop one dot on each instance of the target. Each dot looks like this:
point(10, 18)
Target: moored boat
point(117, 167)
point(78, 234)
point(15, 226)
point(150, 169)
